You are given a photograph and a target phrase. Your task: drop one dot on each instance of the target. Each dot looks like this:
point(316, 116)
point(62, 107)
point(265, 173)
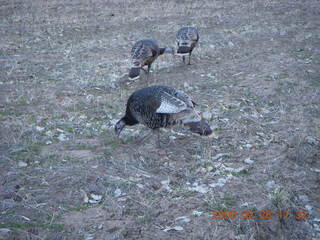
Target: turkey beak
point(118, 128)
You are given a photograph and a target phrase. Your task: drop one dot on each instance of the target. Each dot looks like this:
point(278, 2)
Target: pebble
point(22, 164)
point(207, 115)
point(271, 184)
point(117, 192)
point(230, 44)
point(183, 219)
point(177, 228)
point(39, 129)
point(311, 140)
point(248, 161)
point(196, 213)
point(308, 207)
point(96, 197)
point(200, 189)
point(4, 231)
point(62, 137)
point(303, 198)
point(49, 133)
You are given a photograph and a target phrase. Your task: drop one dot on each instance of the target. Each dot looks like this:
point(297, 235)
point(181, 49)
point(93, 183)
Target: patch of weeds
point(27, 153)
point(146, 218)
point(206, 150)
point(79, 208)
point(185, 192)
point(106, 155)
point(124, 185)
point(227, 201)
point(10, 113)
point(205, 164)
point(276, 77)
point(52, 158)
point(128, 140)
point(279, 197)
point(112, 143)
point(224, 203)
point(243, 172)
point(56, 227)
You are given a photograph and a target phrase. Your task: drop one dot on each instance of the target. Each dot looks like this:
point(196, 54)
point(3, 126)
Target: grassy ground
point(63, 174)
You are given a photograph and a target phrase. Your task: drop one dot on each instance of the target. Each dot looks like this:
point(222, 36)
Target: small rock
point(209, 168)
point(89, 237)
point(117, 192)
point(104, 127)
point(172, 138)
point(60, 130)
point(62, 137)
point(271, 184)
point(221, 182)
point(248, 145)
point(4, 231)
point(230, 44)
point(220, 155)
point(248, 161)
point(312, 140)
point(309, 208)
point(177, 228)
point(207, 115)
point(183, 219)
point(85, 196)
point(96, 197)
point(303, 198)
point(49, 133)
point(165, 185)
point(245, 204)
point(39, 129)
point(22, 164)
point(186, 85)
point(200, 189)
point(196, 213)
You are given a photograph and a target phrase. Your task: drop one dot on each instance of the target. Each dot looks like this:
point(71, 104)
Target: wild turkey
point(160, 107)
point(187, 38)
point(143, 53)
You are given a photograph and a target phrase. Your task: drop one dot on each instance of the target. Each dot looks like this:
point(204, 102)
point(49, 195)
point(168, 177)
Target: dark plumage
point(160, 107)
point(187, 38)
point(144, 53)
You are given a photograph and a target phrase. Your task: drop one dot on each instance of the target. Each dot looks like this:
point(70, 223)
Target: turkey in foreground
point(187, 38)
point(160, 107)
point(143, 53)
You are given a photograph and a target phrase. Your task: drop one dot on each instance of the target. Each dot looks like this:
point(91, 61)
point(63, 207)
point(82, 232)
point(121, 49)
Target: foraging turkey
point(160, 107)
point(187, 38)
point(144, 53)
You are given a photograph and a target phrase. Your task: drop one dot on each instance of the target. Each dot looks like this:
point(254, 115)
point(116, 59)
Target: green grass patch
point(28, 152)
point(56, 227)
point(112, 142)
point(243, 172)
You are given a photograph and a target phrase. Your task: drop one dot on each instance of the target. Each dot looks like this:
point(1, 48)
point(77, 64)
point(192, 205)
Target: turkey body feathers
point(143, 53)
point(187, 38)
point(161, 106)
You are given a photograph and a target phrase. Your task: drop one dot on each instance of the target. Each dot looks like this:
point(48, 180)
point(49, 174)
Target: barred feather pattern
point(187, 36)
point(143, 105)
